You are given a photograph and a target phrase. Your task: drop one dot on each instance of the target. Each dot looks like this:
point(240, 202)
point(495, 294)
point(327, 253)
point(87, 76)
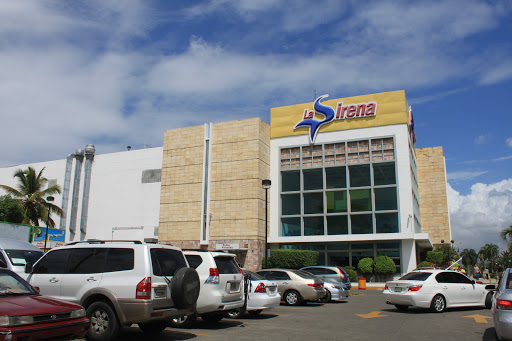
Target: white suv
point(221, 286)
point(119, 283)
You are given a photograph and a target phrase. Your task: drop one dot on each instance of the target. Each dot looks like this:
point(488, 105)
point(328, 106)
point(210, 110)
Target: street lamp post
point(48, 199)
point(266, 185)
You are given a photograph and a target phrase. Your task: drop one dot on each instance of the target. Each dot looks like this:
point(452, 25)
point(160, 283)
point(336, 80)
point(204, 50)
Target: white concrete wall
point(117, 197)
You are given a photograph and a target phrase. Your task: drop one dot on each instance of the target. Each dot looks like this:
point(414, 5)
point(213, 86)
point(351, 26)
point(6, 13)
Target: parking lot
point(365, 316)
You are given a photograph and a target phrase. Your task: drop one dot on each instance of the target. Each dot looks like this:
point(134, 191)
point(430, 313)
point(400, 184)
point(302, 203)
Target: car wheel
point(326, 298)
point(212, 317)
point(438, 304)
point(292, 297)
point(488, 300)
point(401, 307)
point(183, 321)
point(255, 312)
point(104, 323)
point(185, 288)
point(153, 327)
point(235, 313)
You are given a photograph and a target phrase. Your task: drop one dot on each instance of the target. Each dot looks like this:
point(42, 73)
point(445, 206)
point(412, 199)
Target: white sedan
point(262, 294)
point(437, 290)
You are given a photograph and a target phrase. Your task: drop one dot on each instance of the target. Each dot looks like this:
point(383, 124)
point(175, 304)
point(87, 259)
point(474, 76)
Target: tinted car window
point(87, 260)
point(226, 265)
point(194, 260)
point(508, 285)
point(444, 277)
point(253, 276)
point(55, 262)
point(278, 276)
point(459, 278)
point(304, 274)
point(315, 271)
point(416, 276)
point(119, 259)
point(3, 262)
point(264, 274)
point(167, 261)
point(22, 257)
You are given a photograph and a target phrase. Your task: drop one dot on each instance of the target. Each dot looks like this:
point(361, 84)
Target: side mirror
point(28, 268)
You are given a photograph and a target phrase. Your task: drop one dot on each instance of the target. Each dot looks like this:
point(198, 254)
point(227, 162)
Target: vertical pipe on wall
point(79, 156)
point(89, 155)
point(65, 191)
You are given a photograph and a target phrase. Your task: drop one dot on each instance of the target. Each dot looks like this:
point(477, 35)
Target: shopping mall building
point(346, 181)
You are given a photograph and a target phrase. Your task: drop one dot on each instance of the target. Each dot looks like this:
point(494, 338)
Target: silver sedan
point(502, 307)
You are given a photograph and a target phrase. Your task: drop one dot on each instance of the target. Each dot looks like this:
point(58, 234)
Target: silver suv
point(221, 286)
point(119, 283)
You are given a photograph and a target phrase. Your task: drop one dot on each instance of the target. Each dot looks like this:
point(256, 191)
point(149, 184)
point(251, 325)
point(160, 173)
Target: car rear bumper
point(135, 311)
point(408, 299)
point(339, 295)
point(262, 301)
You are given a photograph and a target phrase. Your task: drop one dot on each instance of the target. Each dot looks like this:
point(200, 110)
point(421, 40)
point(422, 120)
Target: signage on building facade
point(227, 246)
point(342, 112)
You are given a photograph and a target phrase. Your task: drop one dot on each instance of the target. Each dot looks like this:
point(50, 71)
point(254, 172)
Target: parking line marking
point(479, 318)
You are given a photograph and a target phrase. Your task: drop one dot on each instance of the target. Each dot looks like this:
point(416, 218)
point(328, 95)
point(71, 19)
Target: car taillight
point(260, 288)
point(415, 288)
point(316, 285)
point(214, 276)
point(143, 290)
point(503, 304)
point(341, 274)
point(386, 287)
point(241, 271)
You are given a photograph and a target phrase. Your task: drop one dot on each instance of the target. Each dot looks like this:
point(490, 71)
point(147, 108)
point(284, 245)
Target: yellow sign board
point(382, 109)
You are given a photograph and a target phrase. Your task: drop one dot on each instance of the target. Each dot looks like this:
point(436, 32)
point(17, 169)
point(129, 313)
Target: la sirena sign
point(342, 112)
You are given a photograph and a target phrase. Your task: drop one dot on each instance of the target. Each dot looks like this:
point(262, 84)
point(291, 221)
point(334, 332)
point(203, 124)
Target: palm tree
point(488, 252)
point(506, 234)
point(469, 258)
point(31, 196)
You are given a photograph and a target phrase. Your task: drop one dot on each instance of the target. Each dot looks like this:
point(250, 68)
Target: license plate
point(160, 292)
point(233, 286)
point(397, 289)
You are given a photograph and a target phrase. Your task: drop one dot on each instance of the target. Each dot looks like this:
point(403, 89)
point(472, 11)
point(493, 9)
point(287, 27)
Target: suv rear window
point(226, 265)
point(416, 276)
point(166, 261)
point(304, 274)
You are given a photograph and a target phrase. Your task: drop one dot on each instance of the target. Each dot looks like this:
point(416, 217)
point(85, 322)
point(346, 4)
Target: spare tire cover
point(185, 288)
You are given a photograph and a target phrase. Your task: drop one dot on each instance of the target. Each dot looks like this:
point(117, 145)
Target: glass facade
point(349, 254)
point(339, 188)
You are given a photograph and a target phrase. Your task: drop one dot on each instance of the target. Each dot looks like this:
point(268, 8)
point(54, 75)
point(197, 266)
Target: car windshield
point(11, 284)
point(508, 285)
point(304, 274)
point(416, 276)
point(22, 257)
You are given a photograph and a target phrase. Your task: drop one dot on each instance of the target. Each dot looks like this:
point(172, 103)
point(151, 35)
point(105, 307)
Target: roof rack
point(98, 241)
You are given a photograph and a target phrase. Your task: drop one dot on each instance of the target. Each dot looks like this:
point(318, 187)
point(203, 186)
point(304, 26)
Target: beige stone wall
point(240, 158)
point(432, 191)
point(182, 172)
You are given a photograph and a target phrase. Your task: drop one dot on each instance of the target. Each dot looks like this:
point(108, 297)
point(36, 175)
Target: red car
point(27, 315)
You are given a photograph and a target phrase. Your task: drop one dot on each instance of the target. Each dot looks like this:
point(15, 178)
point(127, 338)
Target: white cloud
point(478, 218)
point(481, 139)
point(464, 175)
point(509, 141)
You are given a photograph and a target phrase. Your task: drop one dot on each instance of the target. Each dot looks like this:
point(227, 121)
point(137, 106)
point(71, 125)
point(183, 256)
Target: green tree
point(384, 266)
point(449, 254)
point(435, 257)
point(32, 196)
point(487, 253)
point(365, 266)
point(506, 234)
point(469, 259)
point(10, 210)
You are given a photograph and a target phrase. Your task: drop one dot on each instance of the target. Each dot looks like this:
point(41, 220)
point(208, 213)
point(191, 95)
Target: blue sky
point(119, 73)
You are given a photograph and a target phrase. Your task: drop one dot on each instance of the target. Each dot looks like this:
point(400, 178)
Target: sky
point(118, 73)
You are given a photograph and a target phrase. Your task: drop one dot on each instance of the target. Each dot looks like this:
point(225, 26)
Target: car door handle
point(91, 279)
point(445, 288)
point(463, 288)
point(53, 280)
point(286, 283)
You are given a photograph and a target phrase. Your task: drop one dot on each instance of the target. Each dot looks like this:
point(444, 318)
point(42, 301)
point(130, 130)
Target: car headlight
point(15, 320)
point(78, 313)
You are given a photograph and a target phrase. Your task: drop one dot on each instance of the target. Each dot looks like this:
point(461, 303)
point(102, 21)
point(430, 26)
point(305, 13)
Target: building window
point(339, 188)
